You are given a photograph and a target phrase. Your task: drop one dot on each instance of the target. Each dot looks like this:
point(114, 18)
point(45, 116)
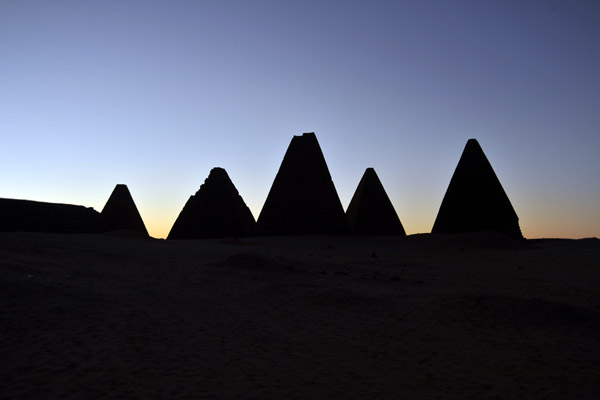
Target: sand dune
point(419, 317)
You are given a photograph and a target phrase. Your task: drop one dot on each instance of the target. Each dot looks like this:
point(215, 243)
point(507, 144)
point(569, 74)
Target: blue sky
point(154, 94)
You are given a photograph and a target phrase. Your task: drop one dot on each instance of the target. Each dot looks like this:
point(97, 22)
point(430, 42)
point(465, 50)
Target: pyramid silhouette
point(302, 199)
point(370, 211)
point(120, 212)
point(475, 200)
point(215, 211)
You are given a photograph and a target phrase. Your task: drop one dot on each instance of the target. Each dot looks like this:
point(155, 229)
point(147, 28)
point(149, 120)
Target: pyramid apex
point(119, 187)
point(217, 170)
point(305, 135)
point(370, 174)
point(473, 143)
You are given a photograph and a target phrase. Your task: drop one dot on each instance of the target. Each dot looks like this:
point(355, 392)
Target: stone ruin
point(35, 216)
point(302, 199)
point(370, 211)
point(215, 211)
point(475, 200)
point(120, 212)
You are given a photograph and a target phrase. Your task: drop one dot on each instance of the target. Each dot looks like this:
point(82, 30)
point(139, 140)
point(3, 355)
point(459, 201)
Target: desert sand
point(478, 316)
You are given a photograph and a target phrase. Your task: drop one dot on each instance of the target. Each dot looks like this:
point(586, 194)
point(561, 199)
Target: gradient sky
point(154, 94)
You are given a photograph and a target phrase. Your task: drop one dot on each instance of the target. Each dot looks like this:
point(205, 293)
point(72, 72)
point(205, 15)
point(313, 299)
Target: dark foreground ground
point(422, 317)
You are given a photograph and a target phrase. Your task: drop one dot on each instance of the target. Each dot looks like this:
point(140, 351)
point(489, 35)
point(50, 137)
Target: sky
point(153, 94)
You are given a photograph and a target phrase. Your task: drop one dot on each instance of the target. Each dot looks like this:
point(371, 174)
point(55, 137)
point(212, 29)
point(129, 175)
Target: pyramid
point(303, 199)
point(120, 212)
point(215, 211)
point(475, 200)
point(370, 211)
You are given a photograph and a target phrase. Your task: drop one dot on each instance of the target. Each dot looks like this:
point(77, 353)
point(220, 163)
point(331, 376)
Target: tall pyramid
point(475, 200)
point(215, 211)
point(370, 211)
point(303, 199)
point(120, 212)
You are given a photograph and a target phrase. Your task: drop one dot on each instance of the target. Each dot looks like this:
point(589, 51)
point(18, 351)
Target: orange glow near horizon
point(159, 228)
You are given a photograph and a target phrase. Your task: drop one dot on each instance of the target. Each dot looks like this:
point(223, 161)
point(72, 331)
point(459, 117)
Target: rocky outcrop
point(36, 216)
point(215, 211)
point(302, 199)
point(121, 213)
point(370, 211)
point(475, 200)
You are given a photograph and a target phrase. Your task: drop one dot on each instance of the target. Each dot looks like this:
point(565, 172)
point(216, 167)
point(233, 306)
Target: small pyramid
point(370, 211)
point(475, 200)
point(303, 199)
point(120, 212)
point(215, 211)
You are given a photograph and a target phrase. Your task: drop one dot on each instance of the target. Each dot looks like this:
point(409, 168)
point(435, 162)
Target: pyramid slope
point(370, 211)
point(475, 200)
point(120, 212)
point(35, 216)
point(215, 211)
point(302, 199)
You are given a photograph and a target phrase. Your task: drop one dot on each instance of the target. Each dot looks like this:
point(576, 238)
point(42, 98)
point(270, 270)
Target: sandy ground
point(421, 317)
